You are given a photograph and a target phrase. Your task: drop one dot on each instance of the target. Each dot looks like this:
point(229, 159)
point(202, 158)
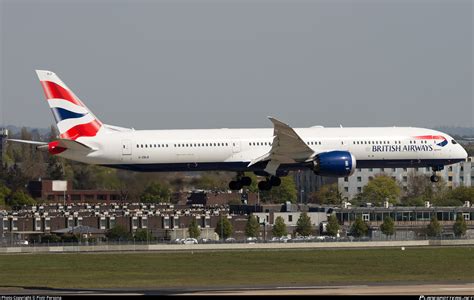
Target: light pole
point(222, 229)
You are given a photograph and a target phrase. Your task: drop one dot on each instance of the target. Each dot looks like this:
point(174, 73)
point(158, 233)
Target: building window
point(290, 218)
point(359, 189)
point(346, 189)
point(450, 178)
point(366, 217)
point(359, 179)
point(346, 179)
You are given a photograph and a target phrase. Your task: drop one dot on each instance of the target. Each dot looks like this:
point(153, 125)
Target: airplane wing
point(287, 147)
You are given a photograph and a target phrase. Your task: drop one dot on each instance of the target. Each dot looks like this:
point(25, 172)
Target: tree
point(214, 181)
point(279, 228)
point(359, 228)
point(332, 227)
point(461, 194)
point(4, 192)
point(303, 225)
point(252, 227)
point(254, 186)
point(118, 233)
point(193, 229)
point(283, 193)
point(378, 190)
point(143, 235)
point(434, 228)
point(388, 226)
point(420, 189)
point(155, 193)
point(327, 194)
point(20, 198)
point(54, 170)
point(224, 227)
point(460, 226)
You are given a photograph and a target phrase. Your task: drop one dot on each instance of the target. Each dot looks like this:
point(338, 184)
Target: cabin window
point(454, 142)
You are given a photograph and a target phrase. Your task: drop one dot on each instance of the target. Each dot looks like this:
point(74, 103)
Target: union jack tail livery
point(73, 118)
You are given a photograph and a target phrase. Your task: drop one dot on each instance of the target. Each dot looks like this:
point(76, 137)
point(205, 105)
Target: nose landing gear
point(434, 177)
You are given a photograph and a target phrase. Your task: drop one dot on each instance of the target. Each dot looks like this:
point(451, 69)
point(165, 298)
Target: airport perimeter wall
point(211, 247)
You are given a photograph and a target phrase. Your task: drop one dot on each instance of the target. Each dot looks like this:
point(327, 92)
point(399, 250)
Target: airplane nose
point(463, 152)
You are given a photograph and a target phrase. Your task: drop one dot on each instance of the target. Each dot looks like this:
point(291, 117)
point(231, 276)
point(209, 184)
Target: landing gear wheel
point(275, 181)
point(235, 185)
point(434, 178)
point(264, 185)
point(246, 181)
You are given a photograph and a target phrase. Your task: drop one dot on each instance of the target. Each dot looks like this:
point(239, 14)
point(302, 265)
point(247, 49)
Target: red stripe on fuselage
point(88, 129)
point(55, 91)
point(430, 137)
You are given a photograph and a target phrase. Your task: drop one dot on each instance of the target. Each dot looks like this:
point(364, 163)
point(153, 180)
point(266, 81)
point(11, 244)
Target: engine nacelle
point(334, 164)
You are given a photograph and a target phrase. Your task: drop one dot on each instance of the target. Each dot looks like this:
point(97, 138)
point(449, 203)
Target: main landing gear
point(268, 183)
point(264, 185)
point(241, 181)
point(434, 177)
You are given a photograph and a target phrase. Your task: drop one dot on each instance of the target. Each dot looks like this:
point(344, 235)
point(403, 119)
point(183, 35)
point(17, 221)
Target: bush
point(118, 233)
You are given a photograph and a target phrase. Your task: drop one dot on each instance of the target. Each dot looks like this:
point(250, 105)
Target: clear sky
point(212, 64)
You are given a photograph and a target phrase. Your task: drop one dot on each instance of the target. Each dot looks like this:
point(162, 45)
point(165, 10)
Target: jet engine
point(334, 164)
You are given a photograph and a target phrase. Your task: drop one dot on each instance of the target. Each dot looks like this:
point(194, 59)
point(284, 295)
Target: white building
point(455, 175)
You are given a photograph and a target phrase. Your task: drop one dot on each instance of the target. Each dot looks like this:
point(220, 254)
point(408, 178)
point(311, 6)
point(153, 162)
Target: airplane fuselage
point(233, 149)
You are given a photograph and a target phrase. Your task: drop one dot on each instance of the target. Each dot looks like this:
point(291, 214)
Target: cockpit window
point(454, 142)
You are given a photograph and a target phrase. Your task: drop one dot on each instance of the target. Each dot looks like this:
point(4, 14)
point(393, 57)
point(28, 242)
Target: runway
point(423, 289)
point(428, 289)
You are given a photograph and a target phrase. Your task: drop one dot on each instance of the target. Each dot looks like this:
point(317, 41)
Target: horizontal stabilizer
point(27, 142)
point(74, 145)
point(63, 143)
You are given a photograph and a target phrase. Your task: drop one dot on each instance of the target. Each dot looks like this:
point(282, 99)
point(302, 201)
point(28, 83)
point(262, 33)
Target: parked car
point(284, 239)
point(251, 239)
point(190, 241)
point(230, 240)
point(298, 239)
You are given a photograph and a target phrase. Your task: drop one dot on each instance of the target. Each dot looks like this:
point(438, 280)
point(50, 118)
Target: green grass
point(233, 268)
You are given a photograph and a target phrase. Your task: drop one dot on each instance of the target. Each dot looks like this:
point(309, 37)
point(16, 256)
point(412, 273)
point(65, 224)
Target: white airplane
point(266, 152)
